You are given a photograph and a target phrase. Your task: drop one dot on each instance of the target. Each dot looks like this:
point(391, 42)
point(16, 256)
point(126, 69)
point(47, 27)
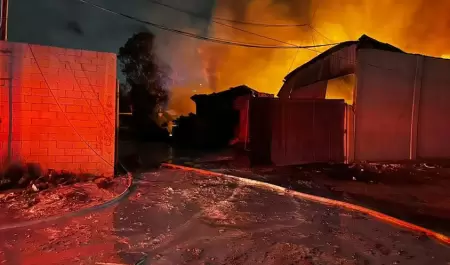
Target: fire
point(418, 27)
point(180, 97)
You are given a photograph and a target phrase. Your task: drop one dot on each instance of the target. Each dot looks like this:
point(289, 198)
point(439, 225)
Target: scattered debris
point(103, 183)
point(427, 166)
point(108, 263)
point(142, 261)
point(30, 177)
point(196, 251)
point(39, 200)
point(34, 188)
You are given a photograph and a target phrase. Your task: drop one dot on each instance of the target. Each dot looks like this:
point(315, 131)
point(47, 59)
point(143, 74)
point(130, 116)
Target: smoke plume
point(417, 26)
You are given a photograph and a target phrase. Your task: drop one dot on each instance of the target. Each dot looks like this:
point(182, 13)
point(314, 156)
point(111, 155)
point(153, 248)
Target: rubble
point(35, 194)
point(30, 177)
point(29, 204)
point(34, 188)
point(102, 182)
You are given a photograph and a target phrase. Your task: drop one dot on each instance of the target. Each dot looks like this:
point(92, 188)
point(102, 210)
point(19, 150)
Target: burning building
point(359, 101)
point(221, 118)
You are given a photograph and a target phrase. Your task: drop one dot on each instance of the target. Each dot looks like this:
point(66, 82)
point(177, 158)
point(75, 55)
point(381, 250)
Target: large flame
point(417, 26)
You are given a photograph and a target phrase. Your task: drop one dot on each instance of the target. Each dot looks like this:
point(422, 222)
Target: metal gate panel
point(260, 121)
point(298, 131)
point(310, 130)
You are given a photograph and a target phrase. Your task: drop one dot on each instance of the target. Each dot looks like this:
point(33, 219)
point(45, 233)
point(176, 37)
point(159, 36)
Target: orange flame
point(418, 27)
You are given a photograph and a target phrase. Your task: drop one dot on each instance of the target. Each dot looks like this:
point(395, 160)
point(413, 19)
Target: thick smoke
point(417, 26)
point(72, 24)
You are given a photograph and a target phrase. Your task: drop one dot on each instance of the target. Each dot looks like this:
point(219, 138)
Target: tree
point(124, 99)
point(146, 76)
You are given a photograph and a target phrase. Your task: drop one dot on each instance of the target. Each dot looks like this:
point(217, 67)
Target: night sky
point(72, 24)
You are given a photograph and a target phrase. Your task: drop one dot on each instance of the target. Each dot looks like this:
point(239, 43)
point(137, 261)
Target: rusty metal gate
point(291, 132)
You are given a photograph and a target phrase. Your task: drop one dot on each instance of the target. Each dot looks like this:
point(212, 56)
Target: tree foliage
point(124, 99)
point(146, 76)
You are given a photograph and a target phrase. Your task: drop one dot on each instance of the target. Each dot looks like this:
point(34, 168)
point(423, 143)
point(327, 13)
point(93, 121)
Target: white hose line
point(300, 195)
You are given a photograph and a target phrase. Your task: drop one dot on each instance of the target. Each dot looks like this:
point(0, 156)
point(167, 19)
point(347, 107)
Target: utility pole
point(4, 20)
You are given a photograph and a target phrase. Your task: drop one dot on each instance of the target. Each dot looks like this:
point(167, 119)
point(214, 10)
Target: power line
point(318, 32)
point(227, 19)
point(239, 29)
point(211, 39)
point(219, 23)
point(214, 20)
point(261, 24)
point(312, 37)
point(348, 58)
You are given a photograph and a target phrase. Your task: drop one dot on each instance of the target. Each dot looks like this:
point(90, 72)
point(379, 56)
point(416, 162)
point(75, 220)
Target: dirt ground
point(175, 217)
point(413, 192)
point(25, 204)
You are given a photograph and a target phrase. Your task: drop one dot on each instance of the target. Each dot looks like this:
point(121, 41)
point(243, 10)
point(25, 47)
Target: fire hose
point(300, 195)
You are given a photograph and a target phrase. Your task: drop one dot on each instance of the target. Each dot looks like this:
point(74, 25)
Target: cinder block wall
point(63, 106)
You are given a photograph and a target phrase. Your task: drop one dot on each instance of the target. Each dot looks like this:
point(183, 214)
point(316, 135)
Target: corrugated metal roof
point(364, 42)
point(230, 94)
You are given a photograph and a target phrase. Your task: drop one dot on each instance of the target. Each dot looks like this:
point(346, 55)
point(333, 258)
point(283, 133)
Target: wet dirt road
point(177, 217)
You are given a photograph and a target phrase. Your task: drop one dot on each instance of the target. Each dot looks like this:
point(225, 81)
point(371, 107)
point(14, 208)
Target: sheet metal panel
point(384, 96)
point(349, 134)
point(339, 63)
point(260, 129)
point(296, 131)
point(314, 91)
point(434, 110)
point(308, 131)
point(291, 132)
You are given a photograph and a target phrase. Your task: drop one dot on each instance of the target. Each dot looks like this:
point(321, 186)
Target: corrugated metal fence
point(290, 132)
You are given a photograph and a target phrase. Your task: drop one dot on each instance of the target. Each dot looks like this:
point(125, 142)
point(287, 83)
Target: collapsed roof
point(364, 42)
point(229, 94)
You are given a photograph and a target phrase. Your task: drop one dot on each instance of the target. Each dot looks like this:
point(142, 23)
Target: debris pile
point(371, 172)
point(26, 193)
point(31, 178)
point(27, 204)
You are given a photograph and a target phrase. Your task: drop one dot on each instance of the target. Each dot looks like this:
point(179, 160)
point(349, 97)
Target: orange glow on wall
point(63, 104)
point(341, 88)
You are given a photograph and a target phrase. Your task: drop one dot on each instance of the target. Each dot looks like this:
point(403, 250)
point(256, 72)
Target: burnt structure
point(395, 107)
point(220, 118)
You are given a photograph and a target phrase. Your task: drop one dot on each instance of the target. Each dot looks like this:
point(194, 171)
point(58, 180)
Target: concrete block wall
point(63, 107)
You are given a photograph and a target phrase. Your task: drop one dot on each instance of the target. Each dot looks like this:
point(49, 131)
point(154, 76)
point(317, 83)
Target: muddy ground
point(414, 192)
point(175, 217)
